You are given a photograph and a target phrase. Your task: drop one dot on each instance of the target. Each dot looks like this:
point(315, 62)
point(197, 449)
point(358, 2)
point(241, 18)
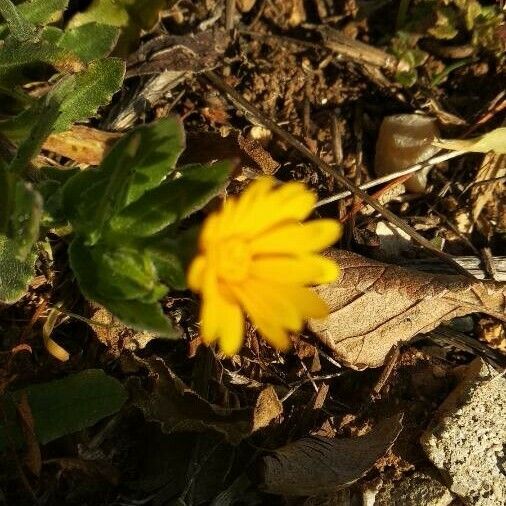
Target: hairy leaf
point(42, 12)
point(90, 41)
point(67, 405)
point(374, 306)
point(14, 274)
point(171, 201)
point(79, 96)
point(115, 273)
point(137, 163)
point(131, 16)
point(15, 54)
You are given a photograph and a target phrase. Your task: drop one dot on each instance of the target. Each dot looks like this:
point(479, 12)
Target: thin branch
point(389, 177)
point(251, 111)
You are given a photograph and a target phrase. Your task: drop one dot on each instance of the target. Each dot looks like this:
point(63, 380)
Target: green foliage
point(15, 273)
point(126, 251)
point(410, 57)
point(131, 16)
point(448, 21)
point(63, 406)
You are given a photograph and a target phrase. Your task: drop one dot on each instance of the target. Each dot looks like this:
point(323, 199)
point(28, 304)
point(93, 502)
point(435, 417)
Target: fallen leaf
point(82, 144)
point(206, 147)
point(492, 167)
point(318, 465)
point(116, 336)
point(374, 306)
point(492, 141)
point(178, 408)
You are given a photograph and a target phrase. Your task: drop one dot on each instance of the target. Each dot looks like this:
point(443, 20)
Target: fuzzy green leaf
point(132, 16)
point(88, 90)
point(25, 219)
point(65, 406)
point(111, 277)
point(18, 25)
point(143, 316)
point(137, 163)
point(15, 54)
point(171, 201)
point(14, 274)
point(79, 95)
point(42, 12)
point(90, 41)
point(115, 273)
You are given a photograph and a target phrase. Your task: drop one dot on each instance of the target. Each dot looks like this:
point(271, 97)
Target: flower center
point(234, 260)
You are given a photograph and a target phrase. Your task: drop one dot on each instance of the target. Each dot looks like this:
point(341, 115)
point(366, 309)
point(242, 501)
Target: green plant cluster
point(122, 219)
point(448, 21)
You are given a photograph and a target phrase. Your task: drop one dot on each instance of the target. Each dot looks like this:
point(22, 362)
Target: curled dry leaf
point(492, 141)
point(116, 336)
point(375, 306)
point(178, 408)
point(82, 144)
point(318, 465)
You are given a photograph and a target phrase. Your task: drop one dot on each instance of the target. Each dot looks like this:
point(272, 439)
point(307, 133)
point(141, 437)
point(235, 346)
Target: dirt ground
point(198, 426)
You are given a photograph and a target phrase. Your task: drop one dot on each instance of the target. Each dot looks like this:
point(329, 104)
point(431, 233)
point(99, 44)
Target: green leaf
point(66, 405)
point(18, 25)
point(90, 41)
point(42, 12)
point(98, 284)
point(50, 187)
point(107, 273)
point(44, 121)
point(15, 54)
point(79, 95)
point(15, 274)
point(171, 201)
point(137, 162)
point(25, 219)
point(143, 316)
point(88, 90)
point(132, 16)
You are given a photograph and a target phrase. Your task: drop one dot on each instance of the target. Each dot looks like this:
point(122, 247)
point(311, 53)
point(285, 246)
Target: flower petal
point(296, 239)
point(307, 302)
point(290, 202)
point(303, 270)
point(212, 305)
point(195, 276)
point(264, 303)
point(231, 332)
point(275, 335)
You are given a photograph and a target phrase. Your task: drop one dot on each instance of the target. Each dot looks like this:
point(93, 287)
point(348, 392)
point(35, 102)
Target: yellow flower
point(256, 257)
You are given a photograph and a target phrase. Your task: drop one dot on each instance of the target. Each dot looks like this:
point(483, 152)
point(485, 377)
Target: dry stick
point(385, 179)
point(251, 110)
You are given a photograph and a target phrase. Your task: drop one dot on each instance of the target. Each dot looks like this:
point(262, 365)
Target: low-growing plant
point(453, 21)
point(122, 218)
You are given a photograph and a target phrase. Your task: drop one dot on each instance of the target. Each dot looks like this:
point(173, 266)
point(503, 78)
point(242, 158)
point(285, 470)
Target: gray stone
point(467, 438)
point(416, 490)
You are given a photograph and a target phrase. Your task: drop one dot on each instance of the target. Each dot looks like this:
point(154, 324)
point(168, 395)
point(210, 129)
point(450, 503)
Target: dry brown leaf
point(115, 336)
point(375, 306)
point(82, 144)
point(318, 465)
point(206, 147)
point(493, 166)
point(178, 408)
